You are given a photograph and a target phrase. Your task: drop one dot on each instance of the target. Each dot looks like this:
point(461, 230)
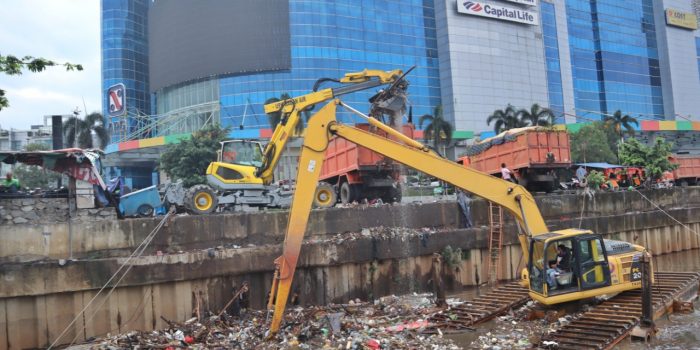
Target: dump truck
point(535, 155)
point(357, 173)
point(688, 171)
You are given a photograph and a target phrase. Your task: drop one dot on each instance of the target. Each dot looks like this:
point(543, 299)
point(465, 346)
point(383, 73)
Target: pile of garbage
point(388, 323)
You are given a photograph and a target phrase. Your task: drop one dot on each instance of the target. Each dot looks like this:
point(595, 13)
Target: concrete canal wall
point(349, 253)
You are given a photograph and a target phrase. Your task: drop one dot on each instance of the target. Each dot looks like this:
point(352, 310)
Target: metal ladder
point(495, 242)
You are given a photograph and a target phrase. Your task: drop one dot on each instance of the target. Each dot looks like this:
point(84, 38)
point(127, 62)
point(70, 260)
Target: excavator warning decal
point(312, 166)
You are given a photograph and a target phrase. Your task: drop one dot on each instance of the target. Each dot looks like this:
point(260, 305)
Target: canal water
point(676, 332)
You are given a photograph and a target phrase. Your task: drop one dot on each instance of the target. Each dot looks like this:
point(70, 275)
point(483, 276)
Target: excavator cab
point(241, 152)
point(567, 262)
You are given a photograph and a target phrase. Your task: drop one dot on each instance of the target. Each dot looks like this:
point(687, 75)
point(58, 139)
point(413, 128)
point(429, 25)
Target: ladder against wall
point(495, 242)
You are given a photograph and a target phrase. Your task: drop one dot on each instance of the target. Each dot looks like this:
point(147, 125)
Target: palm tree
point(275, 118)
point(505, 120)
point(537, 116)
point(437, 128)
point(618, 122)
point(78, 132)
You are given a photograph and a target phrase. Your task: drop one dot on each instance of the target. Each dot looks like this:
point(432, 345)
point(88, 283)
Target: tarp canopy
point(506, 136)
point(74, 162)
point(602, 165)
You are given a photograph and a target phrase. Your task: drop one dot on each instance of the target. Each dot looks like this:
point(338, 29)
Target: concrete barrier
point(340, 260)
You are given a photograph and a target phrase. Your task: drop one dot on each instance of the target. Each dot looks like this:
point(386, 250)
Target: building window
point(553, 69)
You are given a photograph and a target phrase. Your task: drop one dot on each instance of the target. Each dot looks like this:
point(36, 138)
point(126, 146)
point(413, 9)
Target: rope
point(666, 213)
point(138, 251)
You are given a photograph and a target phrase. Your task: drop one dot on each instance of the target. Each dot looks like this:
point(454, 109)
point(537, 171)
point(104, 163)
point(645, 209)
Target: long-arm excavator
point(244, 171)
point(591, 266)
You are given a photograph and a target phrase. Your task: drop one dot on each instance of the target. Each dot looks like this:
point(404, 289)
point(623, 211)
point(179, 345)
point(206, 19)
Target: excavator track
point(484, 308)
point(608, 323)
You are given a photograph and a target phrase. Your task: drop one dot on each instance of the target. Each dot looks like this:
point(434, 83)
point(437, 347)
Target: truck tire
point(201, 199)
point(391, 195)
point(348, 194)
point(144, 210)
point(325, 196)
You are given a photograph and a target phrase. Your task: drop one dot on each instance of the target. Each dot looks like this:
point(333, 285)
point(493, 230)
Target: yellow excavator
point(244, 171)
point(592, 267)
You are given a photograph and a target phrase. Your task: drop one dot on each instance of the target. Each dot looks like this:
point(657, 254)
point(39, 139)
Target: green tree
point(275, 118)
point(653, 159)
point(78, 132)
point(591, 144)
point(618, 122)
point(189, 159)
point(595, 179)
point(13, 65)
point(505, 119)
point(32, 176)
point(536, 116)
point(438, 130)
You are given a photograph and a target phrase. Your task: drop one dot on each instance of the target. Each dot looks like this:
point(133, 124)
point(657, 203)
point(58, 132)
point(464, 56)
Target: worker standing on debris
point(506, 174)
point(581, 173)
point(10, 184)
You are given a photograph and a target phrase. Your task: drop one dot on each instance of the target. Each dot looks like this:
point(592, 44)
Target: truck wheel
point(347, 193)
point(144, 210)
point(201, 199)
point(395, 194)
point(325, 196)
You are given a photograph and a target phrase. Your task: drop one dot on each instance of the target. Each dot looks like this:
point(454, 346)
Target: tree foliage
point(536, 116)
point(653, 159)
point(13, 65)
point(78, 132)
point(505, 119)
point(189, 159)
point(595, 179)
point(618, 122)
point(32, 176)
point(438, 130)
point(592, 144)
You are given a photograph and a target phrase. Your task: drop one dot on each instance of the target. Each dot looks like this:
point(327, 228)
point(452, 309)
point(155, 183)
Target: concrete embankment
point(349, 253)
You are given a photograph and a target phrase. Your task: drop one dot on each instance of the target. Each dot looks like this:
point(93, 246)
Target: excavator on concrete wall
point(244, 171)
point(590, 265)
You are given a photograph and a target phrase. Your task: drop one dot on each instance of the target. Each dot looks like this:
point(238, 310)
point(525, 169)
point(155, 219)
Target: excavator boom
point(322, 127)
point(291, 110)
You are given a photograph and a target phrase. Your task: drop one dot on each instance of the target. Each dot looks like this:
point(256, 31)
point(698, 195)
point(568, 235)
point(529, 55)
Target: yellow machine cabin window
point(228, 174)
point(594, 267)
point(243, 153)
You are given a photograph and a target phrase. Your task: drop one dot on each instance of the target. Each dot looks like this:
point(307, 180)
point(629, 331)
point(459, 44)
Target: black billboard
point(192, 39)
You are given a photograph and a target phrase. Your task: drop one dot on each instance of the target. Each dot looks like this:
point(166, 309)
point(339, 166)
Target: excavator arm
point(322, 127)
point(291, 110)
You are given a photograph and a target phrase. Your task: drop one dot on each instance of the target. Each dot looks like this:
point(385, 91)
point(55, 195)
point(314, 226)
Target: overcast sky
point(61, 30)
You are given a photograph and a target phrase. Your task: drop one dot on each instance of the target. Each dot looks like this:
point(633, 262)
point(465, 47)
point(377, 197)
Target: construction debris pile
point(388, 323)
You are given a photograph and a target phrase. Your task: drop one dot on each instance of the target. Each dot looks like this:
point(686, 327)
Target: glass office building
point(124, 43)
point(329, 40)
point(553, 62)
point(615, 58)
point(583, 59)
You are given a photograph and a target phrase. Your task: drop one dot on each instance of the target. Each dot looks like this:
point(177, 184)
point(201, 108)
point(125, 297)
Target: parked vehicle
point(688, 171)
point(358, 173)
point(534, 154)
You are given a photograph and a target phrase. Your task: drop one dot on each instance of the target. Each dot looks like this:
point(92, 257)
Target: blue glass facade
point(329, 39)
point(125, 60)
point(551, 53)
point(614, 57)
point(697, 52)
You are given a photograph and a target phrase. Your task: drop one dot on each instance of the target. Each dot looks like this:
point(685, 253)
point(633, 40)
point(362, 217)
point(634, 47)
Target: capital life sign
point(503, 13)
